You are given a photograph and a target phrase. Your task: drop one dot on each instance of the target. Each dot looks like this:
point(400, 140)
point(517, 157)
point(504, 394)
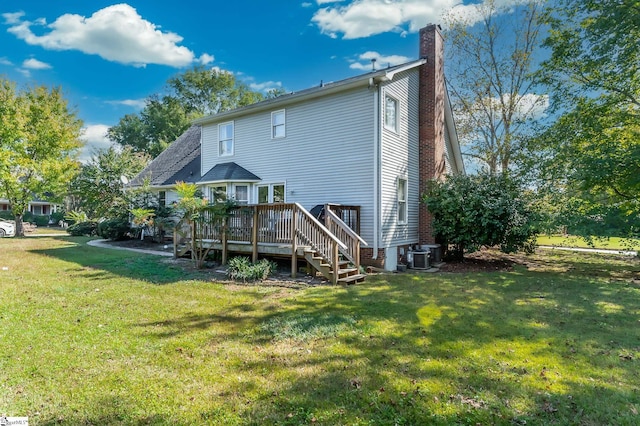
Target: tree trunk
point(19, 226)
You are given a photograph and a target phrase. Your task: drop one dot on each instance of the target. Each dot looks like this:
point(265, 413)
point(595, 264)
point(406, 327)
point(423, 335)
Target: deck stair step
point(346, 273)
point(352, 279)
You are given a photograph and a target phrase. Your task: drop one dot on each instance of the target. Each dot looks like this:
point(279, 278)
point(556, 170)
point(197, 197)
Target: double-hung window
point(278, 129)
point(225, 138)
point(273, 193)
point(391, 113)
point(402, 200)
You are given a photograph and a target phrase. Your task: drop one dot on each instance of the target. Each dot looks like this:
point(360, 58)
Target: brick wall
point(366, 257)
point(432, 164)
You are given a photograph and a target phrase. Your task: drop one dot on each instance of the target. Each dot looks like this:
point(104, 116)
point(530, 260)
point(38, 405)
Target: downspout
point(376, 168)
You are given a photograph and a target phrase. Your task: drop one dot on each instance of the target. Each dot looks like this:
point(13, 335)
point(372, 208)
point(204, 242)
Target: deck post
point(254, 234)
point(224, 242)
point(294, 247)
point(175, 243)
point(357, 255)
point(336, 263)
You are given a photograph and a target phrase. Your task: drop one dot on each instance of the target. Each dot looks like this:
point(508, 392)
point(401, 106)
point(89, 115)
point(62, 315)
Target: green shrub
point(470, 212)
point(241, 268)
point(41, 220)
point(83, 228)
point(7, 214)
point(57, 217)
point(76, 217)
point(114, 229)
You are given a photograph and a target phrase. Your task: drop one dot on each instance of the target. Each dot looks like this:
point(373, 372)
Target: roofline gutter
point(315, 92)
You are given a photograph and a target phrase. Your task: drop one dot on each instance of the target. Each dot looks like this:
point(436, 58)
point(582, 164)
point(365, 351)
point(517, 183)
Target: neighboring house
point(37, 207)
point(372, 141)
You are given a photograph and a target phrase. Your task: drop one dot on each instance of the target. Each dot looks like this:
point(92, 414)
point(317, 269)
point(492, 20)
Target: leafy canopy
point(589, 159)
point(98, 189)
point(39, 140)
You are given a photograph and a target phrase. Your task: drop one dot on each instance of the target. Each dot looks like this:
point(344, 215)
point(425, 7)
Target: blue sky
point(108, 57)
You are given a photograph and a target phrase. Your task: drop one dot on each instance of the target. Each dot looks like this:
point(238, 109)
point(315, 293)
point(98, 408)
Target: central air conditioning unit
point(420, 260)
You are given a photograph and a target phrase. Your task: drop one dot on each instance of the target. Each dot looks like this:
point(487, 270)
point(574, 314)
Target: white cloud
point(205, 59)
point(95, 137)
point(363, 18)
point(26, 73)
point(266, 86)
point(135, 103)
point(381, 61)
point(472, 13)
point(532, 106)
point(116, 33)
point(34, 64)
point(5, 61)
point(306, 4)
point(12, 18)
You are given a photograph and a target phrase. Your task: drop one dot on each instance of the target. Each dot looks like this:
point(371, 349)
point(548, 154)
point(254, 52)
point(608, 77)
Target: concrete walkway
point(104, 244)
point(593, 250)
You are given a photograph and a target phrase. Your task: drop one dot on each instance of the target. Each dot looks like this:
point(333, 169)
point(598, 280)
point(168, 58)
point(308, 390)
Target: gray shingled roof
point(228, 171)
point(180, 161)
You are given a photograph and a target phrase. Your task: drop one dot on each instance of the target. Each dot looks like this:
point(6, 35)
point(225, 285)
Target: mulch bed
point(487, 260)
point(482, 261)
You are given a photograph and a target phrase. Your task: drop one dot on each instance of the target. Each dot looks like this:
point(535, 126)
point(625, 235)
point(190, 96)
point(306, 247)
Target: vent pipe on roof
point(373, 64)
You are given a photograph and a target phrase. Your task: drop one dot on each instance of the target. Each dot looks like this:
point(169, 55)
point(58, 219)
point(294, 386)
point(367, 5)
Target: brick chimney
point(432, 163)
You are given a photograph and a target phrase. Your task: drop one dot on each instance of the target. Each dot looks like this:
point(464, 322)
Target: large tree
point(99, 190)
point(589, 159)
point(39, 139)
point(195, 93)
point(490, 60)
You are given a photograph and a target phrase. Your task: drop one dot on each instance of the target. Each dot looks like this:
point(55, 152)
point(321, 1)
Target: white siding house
point(353, 142)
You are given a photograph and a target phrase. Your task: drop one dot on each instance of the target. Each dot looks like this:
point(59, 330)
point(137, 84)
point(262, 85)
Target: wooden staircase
point(347, 272)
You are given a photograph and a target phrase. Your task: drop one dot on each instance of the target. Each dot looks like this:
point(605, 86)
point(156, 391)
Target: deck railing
point(281, 223)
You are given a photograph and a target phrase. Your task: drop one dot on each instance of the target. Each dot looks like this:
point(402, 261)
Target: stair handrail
point(334, 217)
point(351, 239)
point(320, 225)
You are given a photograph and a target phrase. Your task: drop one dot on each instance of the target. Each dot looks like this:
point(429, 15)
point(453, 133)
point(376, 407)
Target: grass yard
point(98, 336)
point(612, 243)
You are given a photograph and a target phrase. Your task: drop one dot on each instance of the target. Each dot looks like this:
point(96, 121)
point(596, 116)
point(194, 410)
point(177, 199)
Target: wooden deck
point(282, 230)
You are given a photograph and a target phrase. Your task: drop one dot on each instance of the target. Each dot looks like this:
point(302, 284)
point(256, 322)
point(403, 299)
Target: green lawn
point(98, 336)
point(612, 243)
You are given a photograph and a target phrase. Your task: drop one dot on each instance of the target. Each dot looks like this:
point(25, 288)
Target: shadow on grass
point(490, 348)
point(496, 348)
point(97, 263)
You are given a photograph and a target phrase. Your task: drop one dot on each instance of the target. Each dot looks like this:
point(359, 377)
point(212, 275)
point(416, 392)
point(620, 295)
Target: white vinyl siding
point(320, 163)
point(399, 150)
